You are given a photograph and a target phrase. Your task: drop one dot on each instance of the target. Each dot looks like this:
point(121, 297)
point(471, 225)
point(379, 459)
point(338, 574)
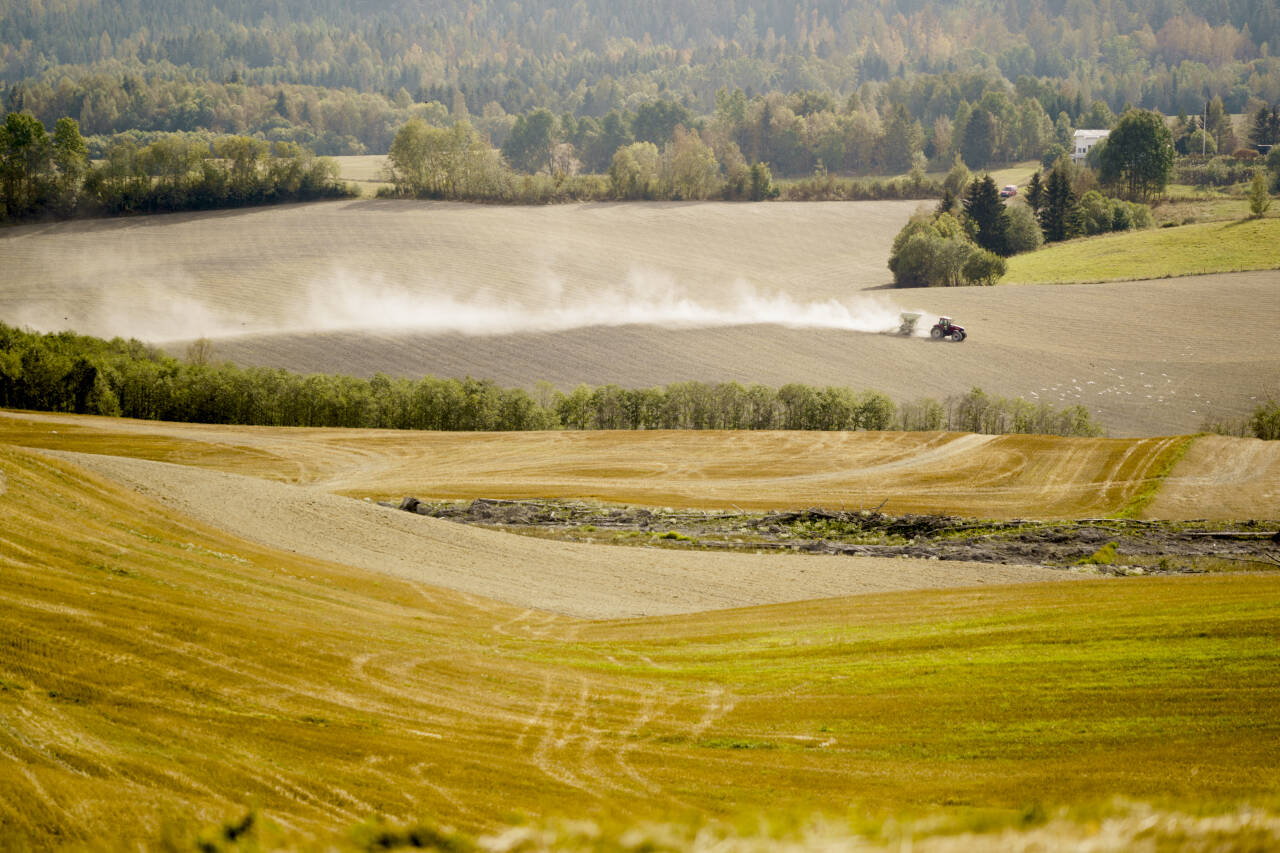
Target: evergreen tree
point(1266, 126)
point(902, 140)
point(1035, 193)
point(1259, 200)
point(1060, 214)
point(979, 138)
point(986, 212)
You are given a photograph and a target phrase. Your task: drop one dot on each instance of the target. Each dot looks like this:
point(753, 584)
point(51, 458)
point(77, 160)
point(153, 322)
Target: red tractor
point(944, 329)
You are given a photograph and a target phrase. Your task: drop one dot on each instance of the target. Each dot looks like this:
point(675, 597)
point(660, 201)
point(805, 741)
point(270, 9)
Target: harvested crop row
point(950, 473)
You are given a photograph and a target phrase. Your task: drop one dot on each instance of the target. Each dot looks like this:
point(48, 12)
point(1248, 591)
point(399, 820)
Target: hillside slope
point(158, 675)
point(640, 294)
point(971, 475)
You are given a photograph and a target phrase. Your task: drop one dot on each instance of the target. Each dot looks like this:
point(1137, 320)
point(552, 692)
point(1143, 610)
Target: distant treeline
point(332, 73)
point(457, 163)
point(65, 372)
point(45, 175)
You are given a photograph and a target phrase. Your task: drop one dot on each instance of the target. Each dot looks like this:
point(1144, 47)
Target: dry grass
point(367, 168)
point(366, 171)
point(157, 676)
point(983, 476)
point(1222, 477)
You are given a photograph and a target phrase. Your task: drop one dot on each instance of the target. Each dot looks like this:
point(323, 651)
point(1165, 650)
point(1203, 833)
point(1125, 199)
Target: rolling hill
point(640, 294)
point(161, 677)
point(974, 475)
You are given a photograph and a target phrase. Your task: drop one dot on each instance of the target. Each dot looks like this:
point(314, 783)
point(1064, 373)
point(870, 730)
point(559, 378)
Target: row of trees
point(457, 163)
point(65, 372)
point(50, 175)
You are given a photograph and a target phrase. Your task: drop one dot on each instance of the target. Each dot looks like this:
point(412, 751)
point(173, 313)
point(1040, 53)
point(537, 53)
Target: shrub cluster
point(937, 251)
point(823, 186)
point(1215, 171)
point(1263, 423)
point(1100, 214)
point(65, 372)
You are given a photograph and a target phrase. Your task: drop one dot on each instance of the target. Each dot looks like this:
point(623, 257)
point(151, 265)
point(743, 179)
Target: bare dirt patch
point(578, 580)
point(1132, 547)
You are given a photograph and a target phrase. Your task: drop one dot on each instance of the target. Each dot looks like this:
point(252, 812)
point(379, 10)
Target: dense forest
point(65, 372)
point(343, 77)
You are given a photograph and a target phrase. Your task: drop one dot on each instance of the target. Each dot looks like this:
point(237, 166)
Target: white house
point(1083, 141)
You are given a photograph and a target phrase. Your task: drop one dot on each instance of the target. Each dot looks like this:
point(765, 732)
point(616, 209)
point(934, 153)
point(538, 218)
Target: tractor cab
point(944, 329)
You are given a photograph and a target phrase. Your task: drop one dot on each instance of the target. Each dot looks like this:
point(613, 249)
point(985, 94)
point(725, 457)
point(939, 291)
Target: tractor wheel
point(957, 336)
point(935, 333)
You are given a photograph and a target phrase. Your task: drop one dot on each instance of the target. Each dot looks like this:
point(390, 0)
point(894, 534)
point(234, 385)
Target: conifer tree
point(985, 210)
point(1060, 215)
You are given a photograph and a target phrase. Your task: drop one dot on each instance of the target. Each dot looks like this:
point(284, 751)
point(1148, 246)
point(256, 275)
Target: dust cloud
point(645, 298)
point(342, 301)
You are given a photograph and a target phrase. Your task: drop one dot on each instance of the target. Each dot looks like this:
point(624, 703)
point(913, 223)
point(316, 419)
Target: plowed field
point(640, 294)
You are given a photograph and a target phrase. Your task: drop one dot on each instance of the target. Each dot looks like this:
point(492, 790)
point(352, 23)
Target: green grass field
point(1210, 247)
point(158, 678)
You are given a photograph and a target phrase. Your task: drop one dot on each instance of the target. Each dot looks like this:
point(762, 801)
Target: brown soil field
point(639, 294)
point(1146, 358)
point(972, 475)
point(355, 264)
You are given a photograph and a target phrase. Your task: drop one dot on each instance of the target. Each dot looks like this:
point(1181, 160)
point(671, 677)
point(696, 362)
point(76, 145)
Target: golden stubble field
point(972, 475)
point(640, 294)
point(160, 676)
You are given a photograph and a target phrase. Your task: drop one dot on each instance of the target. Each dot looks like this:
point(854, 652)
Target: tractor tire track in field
point(1009, 476)
point(583, 743)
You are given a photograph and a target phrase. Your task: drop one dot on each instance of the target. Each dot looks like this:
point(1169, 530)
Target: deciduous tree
point(1137, 156)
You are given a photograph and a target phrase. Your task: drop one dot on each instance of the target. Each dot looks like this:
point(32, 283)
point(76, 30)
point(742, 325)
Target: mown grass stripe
point(1151, 486)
